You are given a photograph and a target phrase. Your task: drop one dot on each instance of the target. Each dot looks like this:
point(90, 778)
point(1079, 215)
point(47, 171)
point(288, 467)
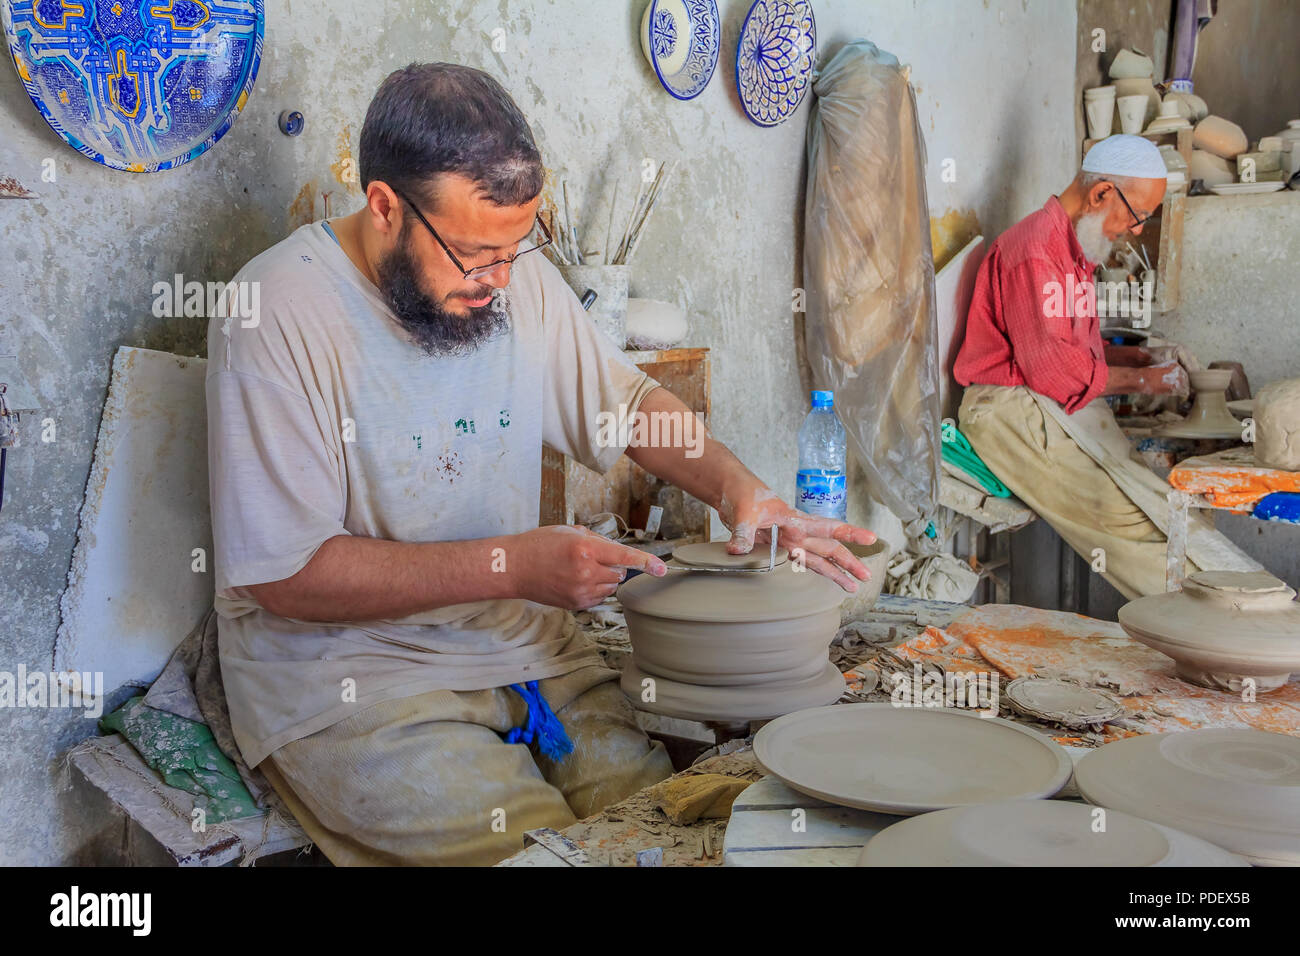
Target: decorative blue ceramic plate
point(681, 39)
point(775, 58)
point(140, 85)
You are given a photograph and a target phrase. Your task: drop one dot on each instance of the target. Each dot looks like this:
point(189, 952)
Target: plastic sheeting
point(870, 328)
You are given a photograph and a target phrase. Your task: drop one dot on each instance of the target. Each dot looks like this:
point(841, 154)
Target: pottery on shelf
point(1220, 136)
point(1210, 416)
point(682, 40)
point(1141, 87)
point(1277, 425)
point(1099, 107)
point(1230, 630)
point(1190, 106)
point(744, 645)
point(1210, 169)
point(1131, 64)
point(1132, 113)
point(1169, 121)
point(906, 760)
point(875, 557)
point(1238, 789)
point(652, 324)
point(1037, 833)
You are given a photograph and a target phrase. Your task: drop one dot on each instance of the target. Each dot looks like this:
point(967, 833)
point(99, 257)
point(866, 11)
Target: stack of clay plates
point(908, 760)
point(1239, 789)
point(1037, 833)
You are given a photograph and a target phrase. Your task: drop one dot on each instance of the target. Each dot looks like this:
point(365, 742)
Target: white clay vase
point(1132, 113)
point(1099, 107)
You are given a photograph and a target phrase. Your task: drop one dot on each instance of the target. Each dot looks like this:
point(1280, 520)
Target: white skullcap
point(1126, 155)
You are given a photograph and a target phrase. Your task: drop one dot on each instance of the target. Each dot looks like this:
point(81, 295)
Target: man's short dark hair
point(432, 118)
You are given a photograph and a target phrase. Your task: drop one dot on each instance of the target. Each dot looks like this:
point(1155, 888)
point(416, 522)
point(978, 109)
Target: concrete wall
point(995, 83)
point(1142, 24)
point(1248, 64)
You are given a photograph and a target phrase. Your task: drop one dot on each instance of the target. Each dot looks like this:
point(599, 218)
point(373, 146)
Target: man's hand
point(571, 567)
point(1161, 378)
point(757, 510)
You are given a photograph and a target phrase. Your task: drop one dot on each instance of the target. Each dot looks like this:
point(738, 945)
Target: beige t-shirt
point(324, 419)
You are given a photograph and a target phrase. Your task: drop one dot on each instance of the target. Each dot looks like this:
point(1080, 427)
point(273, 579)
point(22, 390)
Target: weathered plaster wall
point(1247, 67)
point(995, 82)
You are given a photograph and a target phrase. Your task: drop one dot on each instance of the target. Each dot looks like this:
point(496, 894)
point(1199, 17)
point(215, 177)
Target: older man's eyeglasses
point(1136, 221)
point(476, 271)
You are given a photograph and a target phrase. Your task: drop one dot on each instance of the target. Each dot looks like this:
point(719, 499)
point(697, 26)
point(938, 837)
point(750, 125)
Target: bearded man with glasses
point(396, 649)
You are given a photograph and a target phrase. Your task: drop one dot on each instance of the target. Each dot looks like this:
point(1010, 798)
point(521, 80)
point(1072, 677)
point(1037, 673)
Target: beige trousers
point(1044, 468)
point(428, 780)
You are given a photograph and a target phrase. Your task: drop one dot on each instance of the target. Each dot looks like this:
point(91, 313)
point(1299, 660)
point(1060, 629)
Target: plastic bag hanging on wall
point(870, 328)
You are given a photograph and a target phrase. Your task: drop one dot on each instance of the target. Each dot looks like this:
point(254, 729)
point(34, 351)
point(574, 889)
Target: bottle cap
point(823, 399)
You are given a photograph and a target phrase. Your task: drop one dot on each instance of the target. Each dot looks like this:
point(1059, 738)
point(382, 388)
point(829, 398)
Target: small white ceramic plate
point(908, 760)
point(1037, 833)
point(1245, 189)
point(1239, 789)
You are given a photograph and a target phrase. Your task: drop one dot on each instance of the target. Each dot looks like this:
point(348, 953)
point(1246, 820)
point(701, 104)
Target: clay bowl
point(729, 629)
point(1210, 416)
point(876, 558)
point(1222, 628)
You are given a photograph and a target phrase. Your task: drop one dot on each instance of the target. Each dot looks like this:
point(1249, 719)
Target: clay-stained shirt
point(324, 419)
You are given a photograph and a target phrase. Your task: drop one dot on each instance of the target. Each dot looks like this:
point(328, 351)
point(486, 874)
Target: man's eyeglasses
point(1136, 221)
point(477, 271)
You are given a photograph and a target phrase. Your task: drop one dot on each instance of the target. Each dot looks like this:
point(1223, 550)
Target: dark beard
point(434, 329)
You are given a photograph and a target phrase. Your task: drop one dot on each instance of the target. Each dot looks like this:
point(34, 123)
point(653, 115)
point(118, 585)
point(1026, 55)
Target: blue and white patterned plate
point(681, 39)
point(139, 85)
point(775, 58)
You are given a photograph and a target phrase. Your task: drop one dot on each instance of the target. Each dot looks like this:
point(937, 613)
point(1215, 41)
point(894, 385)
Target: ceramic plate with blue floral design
point(681, 39)
point(139, 85)
point(775, 59)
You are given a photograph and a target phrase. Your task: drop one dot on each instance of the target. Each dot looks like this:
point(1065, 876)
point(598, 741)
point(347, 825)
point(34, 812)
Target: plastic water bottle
point(822, 483)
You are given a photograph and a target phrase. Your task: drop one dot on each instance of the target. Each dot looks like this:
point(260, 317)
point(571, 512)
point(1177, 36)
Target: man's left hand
point(821, 539)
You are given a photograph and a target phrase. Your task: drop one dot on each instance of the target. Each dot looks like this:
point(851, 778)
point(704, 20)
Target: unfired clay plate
point(909, 760)
point(713, 554)
point(1061, 702)
point(1037, 833)
point(1239, 789)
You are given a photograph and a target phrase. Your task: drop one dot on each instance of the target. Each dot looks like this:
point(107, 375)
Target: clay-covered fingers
point(837, 557)
point(834, 529)
point(827, 568)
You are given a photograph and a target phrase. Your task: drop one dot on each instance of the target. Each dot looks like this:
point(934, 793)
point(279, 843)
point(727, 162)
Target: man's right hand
point(1162, 378)
point(572, 567)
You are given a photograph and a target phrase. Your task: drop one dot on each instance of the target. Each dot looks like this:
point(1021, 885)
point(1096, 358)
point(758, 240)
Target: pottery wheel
point(1223, 627)
point(700, 702)
point(1061, 702)
point(907, 760)
point(1037, 833)
point(1239, 789)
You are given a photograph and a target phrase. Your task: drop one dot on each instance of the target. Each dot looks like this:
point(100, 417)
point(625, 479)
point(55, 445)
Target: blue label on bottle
point(821, 492)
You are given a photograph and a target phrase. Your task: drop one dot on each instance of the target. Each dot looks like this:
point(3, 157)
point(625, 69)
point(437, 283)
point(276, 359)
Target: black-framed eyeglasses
point(1136, 221)
point(477, 271)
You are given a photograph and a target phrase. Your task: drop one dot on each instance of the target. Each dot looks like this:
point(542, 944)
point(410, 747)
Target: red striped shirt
point(1033, 314)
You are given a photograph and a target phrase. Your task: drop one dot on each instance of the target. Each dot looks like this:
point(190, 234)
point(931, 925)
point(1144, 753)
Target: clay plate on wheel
point(713, 554)
point(1239, 789)
point(1037, 833)
point(909, 760)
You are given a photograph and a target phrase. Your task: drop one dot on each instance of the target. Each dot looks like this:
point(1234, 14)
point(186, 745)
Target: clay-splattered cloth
point(1025, 642)
point(1231, 478)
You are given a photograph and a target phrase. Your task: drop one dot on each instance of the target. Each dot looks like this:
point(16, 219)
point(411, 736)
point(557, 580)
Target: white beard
point(1092, 238)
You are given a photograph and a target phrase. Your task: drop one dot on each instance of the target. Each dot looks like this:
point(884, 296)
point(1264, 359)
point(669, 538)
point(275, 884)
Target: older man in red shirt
point(1036, 369)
